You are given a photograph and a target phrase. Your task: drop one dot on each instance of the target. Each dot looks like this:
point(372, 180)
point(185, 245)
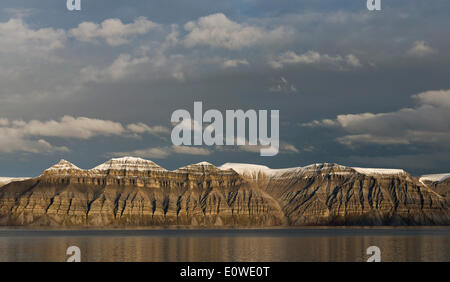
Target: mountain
point(133, 191)
point(7, 180)
point(325, 194)
point(128, 164)
point(439, 183)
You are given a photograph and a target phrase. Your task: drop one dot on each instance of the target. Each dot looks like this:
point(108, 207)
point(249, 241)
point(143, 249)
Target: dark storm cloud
point(135, 62)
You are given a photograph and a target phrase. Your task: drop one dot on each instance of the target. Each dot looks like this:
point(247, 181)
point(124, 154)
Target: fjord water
point(300, 244)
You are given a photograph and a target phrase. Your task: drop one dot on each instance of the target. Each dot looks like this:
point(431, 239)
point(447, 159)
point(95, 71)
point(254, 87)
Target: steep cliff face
point(328, 194)
point(442, 188)
point(133, 191)
point(440, 183)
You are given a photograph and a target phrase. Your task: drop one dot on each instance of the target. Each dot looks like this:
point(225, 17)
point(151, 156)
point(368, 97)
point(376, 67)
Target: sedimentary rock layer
point(137, 192)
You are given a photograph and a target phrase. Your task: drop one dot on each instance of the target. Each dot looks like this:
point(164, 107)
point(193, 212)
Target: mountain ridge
point(136, 192)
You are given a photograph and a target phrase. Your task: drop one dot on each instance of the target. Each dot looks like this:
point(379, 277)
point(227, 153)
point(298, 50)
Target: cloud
point(185, 150)
point(285, 148)
point(19, 12)
point(167, 151)
point(435, 98)
point(288, 148)
point(141, 128)
point(427, 123)
point(123, 66)
point(420, 49)
point(431, 162)
point(12, 140)
point(313, 57)
point(164, 152)
point(234, 63)
point(113, 31)
point(18, 37)
point(178, 75)
point(70, 127)
point(218, 31)
point(282, 85)
point(18, 135)
point(145, 66)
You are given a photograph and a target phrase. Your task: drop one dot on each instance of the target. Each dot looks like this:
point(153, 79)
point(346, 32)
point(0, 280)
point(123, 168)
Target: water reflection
point(185, 246)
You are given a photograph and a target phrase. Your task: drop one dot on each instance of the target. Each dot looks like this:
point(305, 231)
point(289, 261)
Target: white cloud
point(70, 127)
point(352, 60)
point(141, 128)
point(313, 57)
point(285, 148)
point(288, 148)
point(283, 85)
point(440, 98)
point(18, 37)
point(145, 66)
point(152, 153)
point(229, 63)
point(351, 140)
point(420, 49)
point(424, 161)
point(427, 123)
point(167, 151)
point(113, 31)
point(4, 122)
point(218, 31)
point(13, 139)
point(123, 66)
point(188, 150)
point(18, 135)
point(178, 75)
point(164, 152)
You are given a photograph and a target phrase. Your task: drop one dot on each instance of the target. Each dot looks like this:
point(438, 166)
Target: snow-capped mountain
point(135, 191)
point(255, 171)
point(63, 166)
point(128, 163)
point(201, 168)
point(438, 182)
point(434, 177)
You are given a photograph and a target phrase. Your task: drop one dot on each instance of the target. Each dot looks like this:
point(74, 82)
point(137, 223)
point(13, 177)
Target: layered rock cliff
point(440, 183)
point(331, 194)
point(133, 191)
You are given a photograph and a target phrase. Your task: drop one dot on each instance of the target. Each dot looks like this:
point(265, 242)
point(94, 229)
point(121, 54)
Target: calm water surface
point(303, 244)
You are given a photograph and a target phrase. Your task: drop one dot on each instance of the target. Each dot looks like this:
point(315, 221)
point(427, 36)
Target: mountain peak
point(204, 164)
point(63, 165)
point(128, 163)
point(251, 170)
point(254, 171)
point(200, 167)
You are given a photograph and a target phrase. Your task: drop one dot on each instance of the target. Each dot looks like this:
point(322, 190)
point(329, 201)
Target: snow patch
point(379, 171)
point(63, 165)
point(204, 164)
point(128, 163)
point(434, 177)
point(7, 180)
point(250, 169)
point(254, 171)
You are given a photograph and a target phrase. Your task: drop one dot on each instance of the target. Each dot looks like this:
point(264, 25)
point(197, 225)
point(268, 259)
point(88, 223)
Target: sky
point(354, 87)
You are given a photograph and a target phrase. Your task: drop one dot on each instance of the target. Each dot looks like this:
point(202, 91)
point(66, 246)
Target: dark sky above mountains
point(353, 87)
